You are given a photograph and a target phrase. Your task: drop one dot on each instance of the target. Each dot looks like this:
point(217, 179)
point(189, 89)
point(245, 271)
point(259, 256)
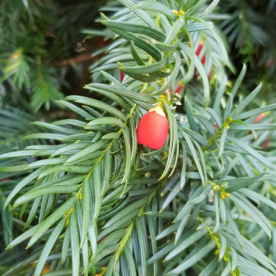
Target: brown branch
point(77, 59)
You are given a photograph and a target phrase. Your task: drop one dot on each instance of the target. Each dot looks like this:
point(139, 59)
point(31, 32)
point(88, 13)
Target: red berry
point(152, 130)
point(198, 51)
point(122, 75)
point(203, 60)
point(179, 88)
point(199, 48)
point(266, 144)
point(262, 115)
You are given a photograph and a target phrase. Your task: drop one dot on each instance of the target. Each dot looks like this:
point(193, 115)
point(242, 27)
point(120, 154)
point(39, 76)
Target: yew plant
point(94, 201)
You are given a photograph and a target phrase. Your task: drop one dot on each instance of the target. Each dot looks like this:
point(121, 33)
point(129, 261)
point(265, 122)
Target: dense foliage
point(78, 191)
point(37, 38)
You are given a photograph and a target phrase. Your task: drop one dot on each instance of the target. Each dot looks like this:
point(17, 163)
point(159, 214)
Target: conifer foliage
point(84, 196)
